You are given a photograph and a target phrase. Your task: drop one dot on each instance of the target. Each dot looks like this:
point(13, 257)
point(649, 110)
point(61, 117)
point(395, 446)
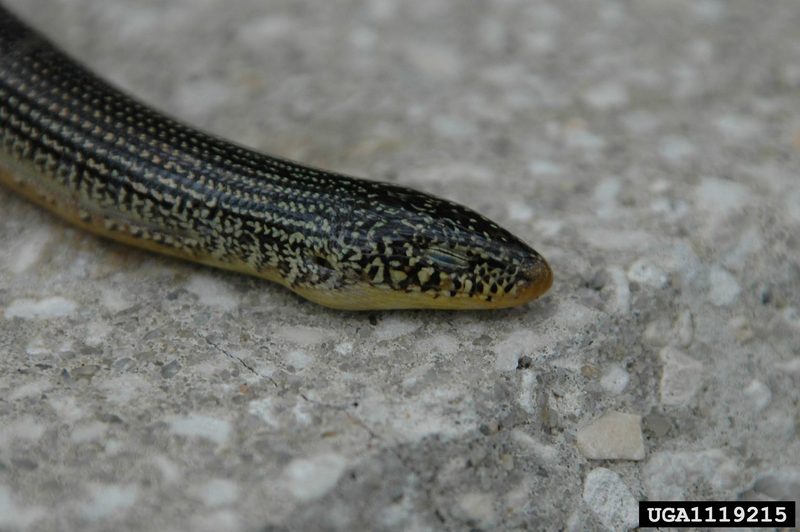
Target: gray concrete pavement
point(650, 150)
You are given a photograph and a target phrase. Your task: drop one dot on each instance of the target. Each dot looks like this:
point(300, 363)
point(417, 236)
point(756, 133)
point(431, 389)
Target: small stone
point(791, 366)
point(780, 485)
point(216, 492)
point(50, 307)
point(659, 332)
point(672, 475)
point(680, 378)
point(308, 479)
point(200, 426)
point(478, 507)
point(614, 436)
point(212, 292)
point(741, 328)
point(606, 96)
point(519, 211)
point(124, 364)
point(675, 150)
point(658, 424)
point(621, 302)
point(344, 349)
point(645, 272)
point(170, 370)
point(87, 371)
point(609, 498)
point(719, 197)
point(759, 395)
point(298, 359)
point(615, 379)
point(723, 287)
point(109, 499)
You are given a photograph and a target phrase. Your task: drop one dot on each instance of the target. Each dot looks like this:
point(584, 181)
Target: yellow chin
point(367, 297)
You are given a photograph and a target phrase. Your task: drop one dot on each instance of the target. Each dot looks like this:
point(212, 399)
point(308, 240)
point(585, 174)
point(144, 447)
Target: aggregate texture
point(649, 150)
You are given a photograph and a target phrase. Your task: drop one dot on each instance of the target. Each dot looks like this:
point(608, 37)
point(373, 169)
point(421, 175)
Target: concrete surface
point(649, 150)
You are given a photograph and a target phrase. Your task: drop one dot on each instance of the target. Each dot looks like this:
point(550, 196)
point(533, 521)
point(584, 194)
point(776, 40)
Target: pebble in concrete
point(49, 307)
point(615, 379)
point(680, 378)
point(308, 479)
point(614, 436)
point(673, 475)
point(723, 287)
point(759, 395)
point(609, 498)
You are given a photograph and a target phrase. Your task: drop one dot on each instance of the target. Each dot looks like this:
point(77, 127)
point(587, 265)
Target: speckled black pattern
point(146, 177)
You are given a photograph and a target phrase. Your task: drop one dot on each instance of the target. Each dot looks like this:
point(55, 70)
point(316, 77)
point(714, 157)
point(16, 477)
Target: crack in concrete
point(241, 361)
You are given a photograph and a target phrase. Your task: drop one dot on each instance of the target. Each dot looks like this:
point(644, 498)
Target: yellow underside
point(359, 296)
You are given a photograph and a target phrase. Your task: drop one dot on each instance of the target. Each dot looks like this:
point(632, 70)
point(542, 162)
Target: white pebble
point(792, 316)
point(434, 61)
point(609, 498)
point(264, 31)
point(28, 250)
point(453, 173)
point(720, 196)
point(298, 359)
point(96, 333)
point(215, 521)
point(392, 327)
point(23, 428)
point(202, 95)
point(29, 389)
point(478, 507)
point(615, 379)
point(545, 168)
point(582, 139)
point(50, 307)
point(791, 366)
point(109, 500)
point(199, 426)
point(212, 292)
point(759, 395)
point(681, 376)
point(308, 479)
point(672, 475)
point(14, 516)
point(781, 484)
point(89, 432)
point(266, 410)
point(643, 271)
point(605, 196)
point(114, 300)
point(723, 287)
point(546, 453)
point(606, 96)
point(675, 149)
point(519, 211)
point(640, 122)
point(526, 396)
point(304, 335)
point(614, 436)
point(516, 344)
point(737, 128)
point(344, 349)
point(216, 492)
point(621, 302)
